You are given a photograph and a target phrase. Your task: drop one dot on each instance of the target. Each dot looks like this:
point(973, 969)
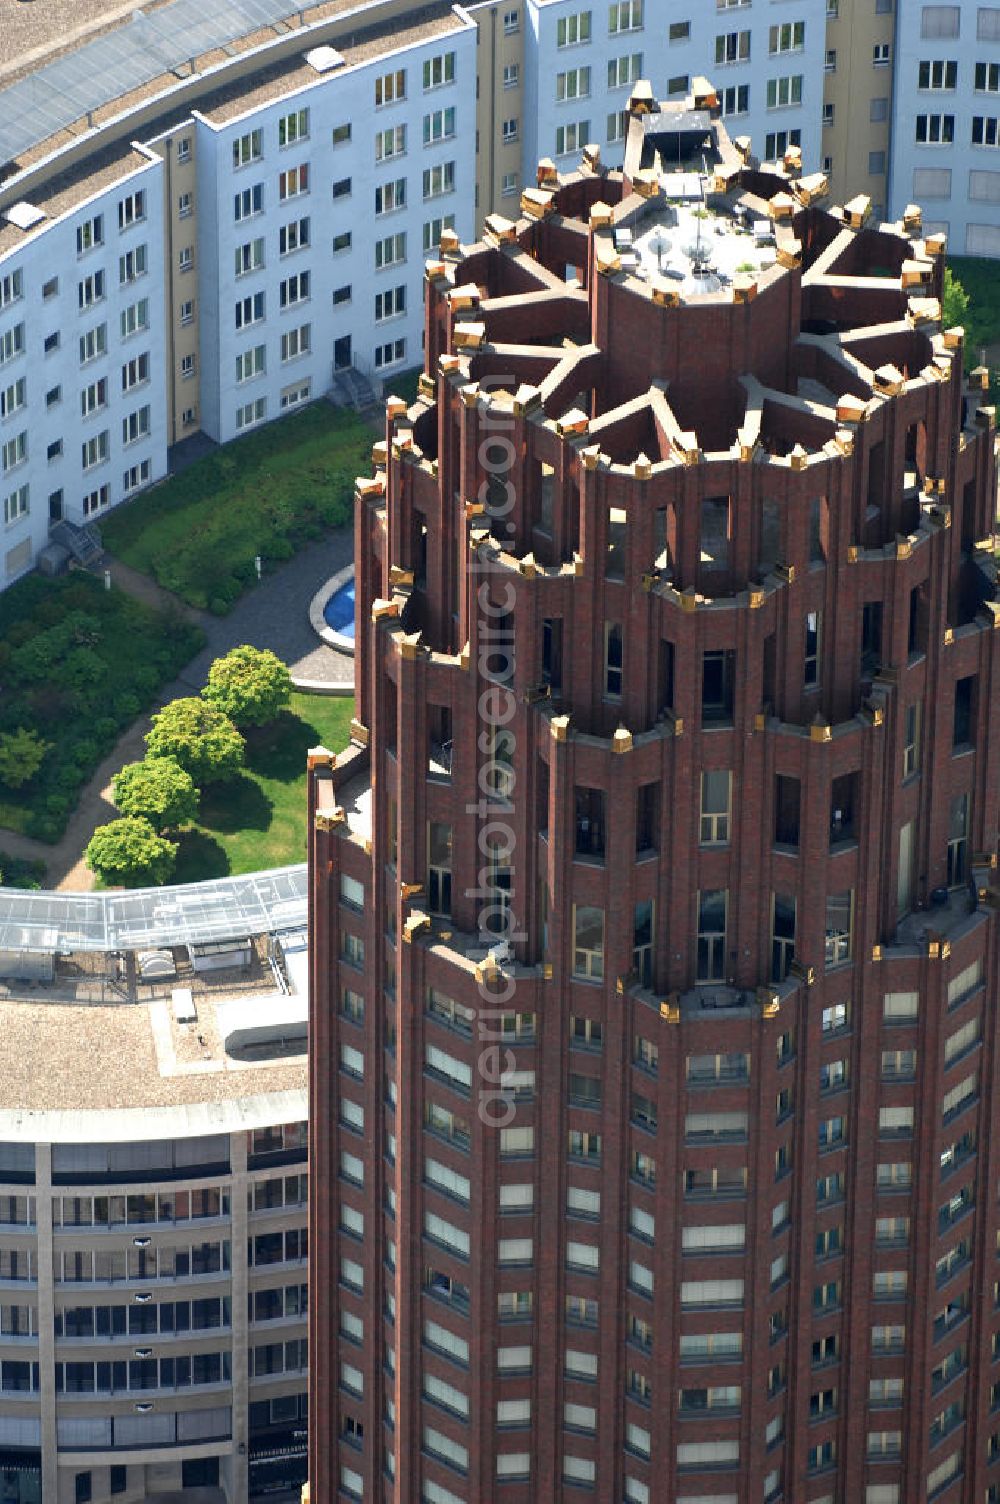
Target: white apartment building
point(153, 1307)
point(83, 409)
point(765, 61)
point(946, 127)
point(208, 256)
point(315, 213)
point(224, 231)
point(153, 1195)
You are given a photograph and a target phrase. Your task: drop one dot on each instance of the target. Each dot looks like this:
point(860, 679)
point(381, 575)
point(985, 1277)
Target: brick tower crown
point(652, 912)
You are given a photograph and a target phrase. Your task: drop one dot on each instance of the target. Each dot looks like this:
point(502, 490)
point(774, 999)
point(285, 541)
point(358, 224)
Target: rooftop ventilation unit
point(324, 59)
point(25, 216)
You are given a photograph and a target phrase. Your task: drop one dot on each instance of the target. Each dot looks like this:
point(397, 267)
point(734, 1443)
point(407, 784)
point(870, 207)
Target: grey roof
point(227, 908)
point(53, 96)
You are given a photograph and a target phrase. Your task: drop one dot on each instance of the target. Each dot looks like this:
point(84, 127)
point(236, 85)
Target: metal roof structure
point(258, 903)
point(165, 41)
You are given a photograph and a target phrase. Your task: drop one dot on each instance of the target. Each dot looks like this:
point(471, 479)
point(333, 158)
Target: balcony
point(949, 920)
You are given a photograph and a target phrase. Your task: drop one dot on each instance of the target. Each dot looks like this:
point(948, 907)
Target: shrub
point(955, 302)
point(22, 753)
point(159, 790)
point(250, 685)
point(129, 851)
point(200, 737)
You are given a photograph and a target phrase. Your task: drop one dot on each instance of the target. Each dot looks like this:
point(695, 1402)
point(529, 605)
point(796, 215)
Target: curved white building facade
point(153, 1238)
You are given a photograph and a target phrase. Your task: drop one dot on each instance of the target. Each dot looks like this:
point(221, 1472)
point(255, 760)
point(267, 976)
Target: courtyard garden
point(78, 664)
point(268, 495)
point(258, 819)
point(221, 789)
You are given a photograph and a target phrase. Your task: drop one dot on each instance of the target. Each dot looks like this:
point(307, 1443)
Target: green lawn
point(270, 493)
point(981, 280)
point(259, 819)
point(404, 385)
point(78, 664)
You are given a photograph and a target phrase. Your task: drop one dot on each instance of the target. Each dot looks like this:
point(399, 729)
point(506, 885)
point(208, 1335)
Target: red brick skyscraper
point(675, 661)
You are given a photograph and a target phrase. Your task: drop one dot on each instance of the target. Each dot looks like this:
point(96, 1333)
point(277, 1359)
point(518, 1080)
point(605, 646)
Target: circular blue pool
point(338, 613)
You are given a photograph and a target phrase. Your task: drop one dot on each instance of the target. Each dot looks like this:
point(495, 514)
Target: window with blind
point(715, 1125)
point(985, 187)
point(708, 1453)
point(456, 1072)
point(982, 240)
point(965, 981)
point(728, 1237)
point(447, 1179)
point(711, 1292)
point(963, 1039)
point(898, 1007)
point(940, 21)
point(957, 1098)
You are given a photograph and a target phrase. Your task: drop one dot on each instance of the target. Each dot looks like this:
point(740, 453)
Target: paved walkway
point(273, 615)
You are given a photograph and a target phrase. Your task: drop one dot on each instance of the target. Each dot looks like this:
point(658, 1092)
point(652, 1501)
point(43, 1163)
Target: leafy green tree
point(955, 304)
point(22, 753)
point(200, 737)
point(251, 685)
point(159, 790)
point(129, 852)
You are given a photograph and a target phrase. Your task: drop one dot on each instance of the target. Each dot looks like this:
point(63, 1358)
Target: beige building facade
point(857, 98)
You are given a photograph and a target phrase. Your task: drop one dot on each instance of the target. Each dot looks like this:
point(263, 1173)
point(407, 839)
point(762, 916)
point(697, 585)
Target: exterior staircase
point(83, 542)
point(352, 388)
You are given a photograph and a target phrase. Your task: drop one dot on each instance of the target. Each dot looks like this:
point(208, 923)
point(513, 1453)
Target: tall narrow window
point(718, 675)
point(588, 942)
point(590, 821)
point(958, 841)
point(786, 810)
point(552, 652)
point(661, 542)
point(916, 641)
point(715, 532)
point(647, 817)
point(500, 778)
point(613, 660)
point(819, 529)
point(495, 916)
point(439, 741)
point(770, 536)
point(712, 906)
point(769, 674)
point(392, 827)
point(439, 867)
point(839, 927)
point(843, 800)
point(911, 739)
point(871, 638)
point(642, 942)
point(614, 563)
point(546, 495)
point(666, 675)
point(962, 728)
point(810, 677)
point(904, 877)
point(715, 805)
point(782, 936)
